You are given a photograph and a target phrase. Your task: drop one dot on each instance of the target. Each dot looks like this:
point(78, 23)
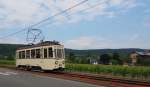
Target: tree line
point(114, 58)
point(106, 58)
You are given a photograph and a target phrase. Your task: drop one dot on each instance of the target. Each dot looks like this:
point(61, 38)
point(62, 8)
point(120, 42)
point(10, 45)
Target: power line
point(92, 6)
point(45, 19)
point(59, 13)
point(13, 33)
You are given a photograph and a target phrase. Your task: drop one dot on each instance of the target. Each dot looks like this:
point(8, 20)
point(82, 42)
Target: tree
point(104, 59)
point(143, 61)
point(127, 59)
point(11, 57)
point(72, 57)
point(116, 59)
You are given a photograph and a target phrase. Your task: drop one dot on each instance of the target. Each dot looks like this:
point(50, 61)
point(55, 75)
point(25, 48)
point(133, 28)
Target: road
point(12, 78)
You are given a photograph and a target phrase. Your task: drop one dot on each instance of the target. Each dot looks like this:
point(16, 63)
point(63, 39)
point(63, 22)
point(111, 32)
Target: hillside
point(122, 51)
point(8, 50)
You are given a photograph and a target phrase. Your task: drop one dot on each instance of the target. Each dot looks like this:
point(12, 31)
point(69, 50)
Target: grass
point(7, 62)
point(114, 70)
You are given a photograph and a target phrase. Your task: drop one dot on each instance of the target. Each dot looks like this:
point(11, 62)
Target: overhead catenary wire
point(83, 10)
point(59, 13)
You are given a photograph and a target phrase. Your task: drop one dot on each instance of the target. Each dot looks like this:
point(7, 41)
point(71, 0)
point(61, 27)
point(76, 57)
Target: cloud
point(87, 42)
point(12, 40)
point(26, 12)
point(98, 42)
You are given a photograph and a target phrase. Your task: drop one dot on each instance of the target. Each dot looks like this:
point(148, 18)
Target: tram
point(48, 55)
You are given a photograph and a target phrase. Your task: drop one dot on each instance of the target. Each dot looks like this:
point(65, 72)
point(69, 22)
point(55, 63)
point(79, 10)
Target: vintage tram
point(48, 55)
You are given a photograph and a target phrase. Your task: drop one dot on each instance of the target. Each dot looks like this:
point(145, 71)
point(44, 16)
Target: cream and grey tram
point(45, 56)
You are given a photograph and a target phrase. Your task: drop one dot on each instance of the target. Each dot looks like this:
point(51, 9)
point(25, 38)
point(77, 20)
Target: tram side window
point(33, 53)
point(37, 53)
point(55, 53)
point(28, 54)
point(50, 52)
point(20, 55)
point(45, 53)
point(23, 54)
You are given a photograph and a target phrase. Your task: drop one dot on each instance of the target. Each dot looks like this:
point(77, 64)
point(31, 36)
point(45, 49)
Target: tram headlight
point(56, 62)
point(63, 62)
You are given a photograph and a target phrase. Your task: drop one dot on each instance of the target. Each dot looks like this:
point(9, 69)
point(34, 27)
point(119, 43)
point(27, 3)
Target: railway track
point(107, 81)
point(93, 79)
point(110, 79)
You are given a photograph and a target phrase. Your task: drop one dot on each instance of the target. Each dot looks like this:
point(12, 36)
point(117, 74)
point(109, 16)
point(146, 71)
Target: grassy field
point(123, 71)
point(8, 62)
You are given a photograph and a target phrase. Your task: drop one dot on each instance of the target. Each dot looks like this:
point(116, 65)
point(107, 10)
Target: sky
point(96, 24)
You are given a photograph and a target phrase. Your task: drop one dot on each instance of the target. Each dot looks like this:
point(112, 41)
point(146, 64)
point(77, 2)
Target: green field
point(114, 70)
point(8, 62)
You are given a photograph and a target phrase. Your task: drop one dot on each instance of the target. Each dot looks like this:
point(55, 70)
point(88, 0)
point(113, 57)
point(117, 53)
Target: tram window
point(37, 53)
point(55, 53)
point(20, 55)
point(33, 53)
point(63, 53)
point(50, 52)
point(23, 54)
point(59, 53)
point(45, 53)
point(28, 54)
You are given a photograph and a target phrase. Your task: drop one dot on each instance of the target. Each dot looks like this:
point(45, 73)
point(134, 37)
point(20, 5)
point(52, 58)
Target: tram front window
point(59, 53)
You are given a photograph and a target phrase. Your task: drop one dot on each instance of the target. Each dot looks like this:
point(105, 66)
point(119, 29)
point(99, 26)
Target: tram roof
point(45, 43)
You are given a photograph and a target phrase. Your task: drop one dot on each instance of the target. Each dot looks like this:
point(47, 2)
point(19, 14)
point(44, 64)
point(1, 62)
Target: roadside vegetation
point(7, 62)
point(137, 72)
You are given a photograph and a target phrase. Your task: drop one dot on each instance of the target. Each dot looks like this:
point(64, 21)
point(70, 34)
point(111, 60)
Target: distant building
point(143, 54)
point(93, 61)
point(135, 55)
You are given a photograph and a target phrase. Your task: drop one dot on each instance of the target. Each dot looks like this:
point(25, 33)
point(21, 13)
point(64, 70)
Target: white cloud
point(12, 40)
point(98, 42)
point(87, 42)
point(21, 12)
